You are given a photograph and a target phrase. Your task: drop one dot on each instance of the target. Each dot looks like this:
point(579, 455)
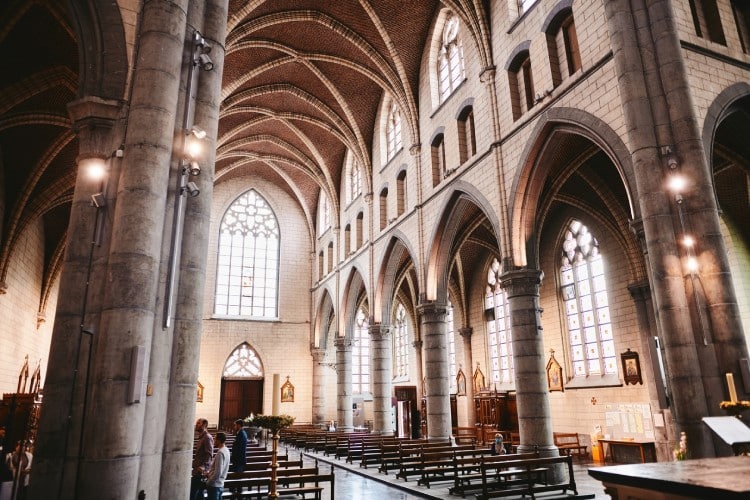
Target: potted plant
point(274, 423)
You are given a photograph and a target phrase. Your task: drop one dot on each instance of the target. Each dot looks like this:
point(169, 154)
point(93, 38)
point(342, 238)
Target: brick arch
point(324, 311)
point(443, 240)
point(722, 106)
point(398, 247)
point(355, 288)
point(103, 48)
point(533, 171)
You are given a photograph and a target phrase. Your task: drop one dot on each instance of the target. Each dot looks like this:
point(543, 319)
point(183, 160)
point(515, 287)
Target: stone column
point(532, 393)
point(319, 379)
point(181, 365)
point(471, 413)
point(663, 135)
point(344, 415)
point(62, 418)
point(437, 371)
point(381, 347)
point(417, 344)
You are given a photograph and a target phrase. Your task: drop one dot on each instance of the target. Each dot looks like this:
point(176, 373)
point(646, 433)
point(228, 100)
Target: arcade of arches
point(433, 201)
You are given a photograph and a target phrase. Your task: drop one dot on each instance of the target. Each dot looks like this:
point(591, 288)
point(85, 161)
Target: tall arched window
point(497, 312)
point(247, 276)
point(324, 213)
point(361, 354)
point(353, 179)
point(450, 65)
point(393, 132)
point(451, 345)
point(400, 344)
point(584, 292)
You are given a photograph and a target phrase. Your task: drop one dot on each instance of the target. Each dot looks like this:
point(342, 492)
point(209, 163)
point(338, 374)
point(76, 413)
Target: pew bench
point(524, 477)
point(298, 482)
point(569, 444)
point(468, 469)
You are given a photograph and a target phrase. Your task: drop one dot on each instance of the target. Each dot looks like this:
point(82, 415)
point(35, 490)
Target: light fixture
point(96, 170)
point(193, 168)
point(192, 189)
point(688, 241)
point(201, 42)
point(205, 62)
point(198, 132)
point(692, 264)
point(98, 200)
point(676, 183)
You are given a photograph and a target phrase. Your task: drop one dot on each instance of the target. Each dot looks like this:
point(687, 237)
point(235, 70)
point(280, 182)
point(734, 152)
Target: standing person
point(19, 463)
point(6, 476)
point(219, 469)
point(239, 447)
point(204, 449)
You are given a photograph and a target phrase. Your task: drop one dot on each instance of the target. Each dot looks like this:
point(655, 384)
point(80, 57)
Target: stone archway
point(241, 386)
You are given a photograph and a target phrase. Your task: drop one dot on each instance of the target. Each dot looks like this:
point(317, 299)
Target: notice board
point(629, 420)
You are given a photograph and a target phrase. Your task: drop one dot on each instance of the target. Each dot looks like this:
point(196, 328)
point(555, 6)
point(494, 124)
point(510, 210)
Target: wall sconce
point(193, 168)
point(200, 53)
point(192, 189)
point(98, 200)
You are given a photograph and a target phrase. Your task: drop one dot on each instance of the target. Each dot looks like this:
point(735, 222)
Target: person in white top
point(217, 474)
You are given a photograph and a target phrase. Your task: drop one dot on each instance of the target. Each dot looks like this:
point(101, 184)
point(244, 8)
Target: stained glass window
point(450, 58)
point(361, 354)
point(497, 312)
point(584, 294)
point(247, 276)
point(243, 362)
point(393, 131)
point(400, 343)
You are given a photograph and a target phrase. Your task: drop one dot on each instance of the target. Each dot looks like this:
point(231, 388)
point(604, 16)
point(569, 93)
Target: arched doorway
point(241, 386)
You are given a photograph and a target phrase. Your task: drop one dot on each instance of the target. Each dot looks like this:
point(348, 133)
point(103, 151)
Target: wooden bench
point(465, 435)
point(257, 484)
point(413, 460)
point(524, 477)
point(568, 444)
point(468, 469)
point(441, 465)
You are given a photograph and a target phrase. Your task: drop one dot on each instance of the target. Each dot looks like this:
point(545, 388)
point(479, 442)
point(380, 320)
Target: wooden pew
point(524, 477)
point(569, 444)
point(257, 484)
point(468, 469)
point(465, 435)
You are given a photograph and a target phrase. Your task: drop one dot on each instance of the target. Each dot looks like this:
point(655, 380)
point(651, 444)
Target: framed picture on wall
point(631, 367)
point(554, 373)
point(287, 392)
point(200, 392)
point(460, 383)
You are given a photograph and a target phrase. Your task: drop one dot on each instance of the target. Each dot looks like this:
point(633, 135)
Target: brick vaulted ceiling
point(302, 84)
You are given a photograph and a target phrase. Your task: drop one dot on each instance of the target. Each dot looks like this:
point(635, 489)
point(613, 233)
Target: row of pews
point(472, 470)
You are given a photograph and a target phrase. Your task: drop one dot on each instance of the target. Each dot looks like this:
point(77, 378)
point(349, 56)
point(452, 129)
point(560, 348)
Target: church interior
point(415, 218)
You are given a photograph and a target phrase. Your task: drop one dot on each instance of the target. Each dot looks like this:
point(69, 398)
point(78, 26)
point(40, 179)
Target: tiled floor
point(355, 483)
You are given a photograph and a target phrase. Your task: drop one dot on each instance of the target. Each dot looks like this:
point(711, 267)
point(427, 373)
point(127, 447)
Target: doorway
point(239, 398)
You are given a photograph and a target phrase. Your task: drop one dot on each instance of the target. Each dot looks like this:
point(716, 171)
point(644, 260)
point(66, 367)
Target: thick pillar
point(344, 415)
point(664, 138)
point(532, 393)
point(471, 411)
point(319, 379)
point(436, 369)
point(59, 443)
point(381, 347)
point(190, 292)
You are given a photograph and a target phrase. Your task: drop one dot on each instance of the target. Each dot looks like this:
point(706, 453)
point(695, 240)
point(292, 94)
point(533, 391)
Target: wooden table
point(647, 449)
point(726, 478)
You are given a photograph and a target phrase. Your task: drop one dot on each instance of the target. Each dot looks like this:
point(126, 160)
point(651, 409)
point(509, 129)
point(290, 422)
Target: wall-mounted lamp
point(98, 200)
point(192, 189)
point(200, 53)
point(193, 168)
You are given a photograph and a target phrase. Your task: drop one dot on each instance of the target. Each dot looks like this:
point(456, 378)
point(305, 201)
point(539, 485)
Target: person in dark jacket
point(239, 447)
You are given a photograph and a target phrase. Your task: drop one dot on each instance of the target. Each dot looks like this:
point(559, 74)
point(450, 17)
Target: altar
point(727, 478)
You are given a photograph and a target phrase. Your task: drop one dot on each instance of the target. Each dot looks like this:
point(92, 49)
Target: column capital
point(640, 291)
point(379, 331)
point(466, 332)
point(318, 354)
point(487, 75)
point(343, 343)
point(432, 308)
point(522, 281)
point(636, 225)
point(93, 119)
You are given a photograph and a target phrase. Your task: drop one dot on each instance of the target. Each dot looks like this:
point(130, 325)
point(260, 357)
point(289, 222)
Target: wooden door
point(239, 398)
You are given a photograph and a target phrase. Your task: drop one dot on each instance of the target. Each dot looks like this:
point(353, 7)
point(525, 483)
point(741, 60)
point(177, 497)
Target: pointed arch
point(464, 205)
point(243, 362)
point(530, 183)
point(397, 259)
